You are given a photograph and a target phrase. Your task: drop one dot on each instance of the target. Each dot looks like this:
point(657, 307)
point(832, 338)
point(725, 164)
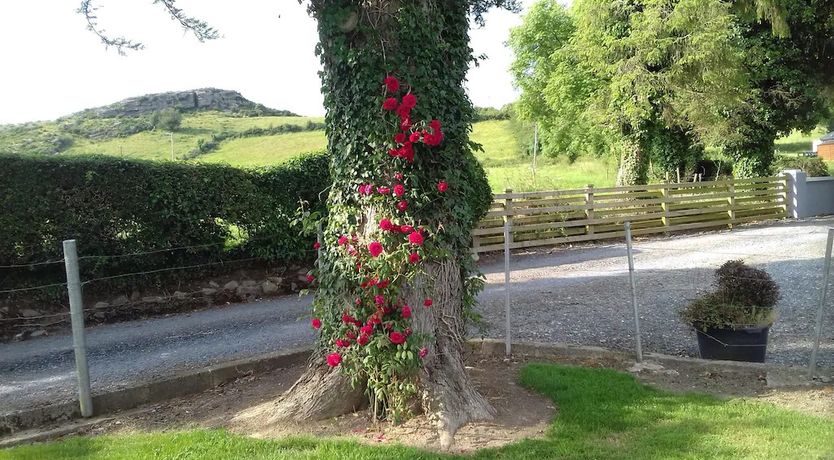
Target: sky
point(53, 66)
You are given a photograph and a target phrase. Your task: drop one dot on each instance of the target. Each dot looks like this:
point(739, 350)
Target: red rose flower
point(396, 338)
point(347, 319)
point(392, 84)
point(406, 312)
point(375, 248)
point(386, 225)
point(415, 238)
point(406, 228)
point(393, 152)
point(435, 125)
point(409, 100)
point(398, 176)
point(316, 323)
point(427, 303)
point(399, 190)
point(442, 186)
point(414, 258)
point(384, 284)
point(362, 340)
point(366, 329)
point(390, 104)
point(342, 343)
point(402, 205)
point(403, 111)
point(379, 300)
point(334, 359)
point(414, 137)
point(310, 278)
point(400, 138)
point(383, 190)
point(343, 240)
point(358, 301)
point(316, 245)
point(405, 123)
point(408, 332)
point(423, 352)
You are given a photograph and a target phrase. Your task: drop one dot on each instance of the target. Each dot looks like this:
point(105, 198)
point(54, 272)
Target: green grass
point(266, 150)
point(603, 414)
point(798, 142)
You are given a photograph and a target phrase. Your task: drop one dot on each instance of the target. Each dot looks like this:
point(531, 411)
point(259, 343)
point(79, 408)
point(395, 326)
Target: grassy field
point(266, 150)
point(156, 145)
point(603, 414)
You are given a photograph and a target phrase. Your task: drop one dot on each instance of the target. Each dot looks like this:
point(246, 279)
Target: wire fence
point(585, 295)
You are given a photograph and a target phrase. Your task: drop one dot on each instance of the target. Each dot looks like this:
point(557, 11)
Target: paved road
point(578, 295)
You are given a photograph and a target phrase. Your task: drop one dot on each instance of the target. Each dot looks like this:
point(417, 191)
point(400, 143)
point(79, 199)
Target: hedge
point(117, 207)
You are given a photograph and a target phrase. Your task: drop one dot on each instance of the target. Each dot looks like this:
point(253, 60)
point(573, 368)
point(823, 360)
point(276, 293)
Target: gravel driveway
point(577, 295)
point(581, 295)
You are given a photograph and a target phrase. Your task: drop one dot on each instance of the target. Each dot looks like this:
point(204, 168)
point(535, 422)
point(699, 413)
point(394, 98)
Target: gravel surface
point(582, 295)
point(577, 295)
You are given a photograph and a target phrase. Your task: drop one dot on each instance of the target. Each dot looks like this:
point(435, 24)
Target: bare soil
point(241, 406)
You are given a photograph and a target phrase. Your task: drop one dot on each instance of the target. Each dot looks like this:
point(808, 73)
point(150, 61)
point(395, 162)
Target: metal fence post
point(629, 248)
point(77, 317)
point(812, 367)
point(508, 221)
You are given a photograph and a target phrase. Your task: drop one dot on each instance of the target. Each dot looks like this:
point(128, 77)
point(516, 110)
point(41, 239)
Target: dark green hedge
point(119, 207)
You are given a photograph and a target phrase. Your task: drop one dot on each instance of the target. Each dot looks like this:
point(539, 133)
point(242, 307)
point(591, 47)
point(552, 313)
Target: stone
point(100, 306)
point(231, 285)
point(302, 272)
point(208, 291)
point(29, 313)
point(294, 287)
point(99, 315)
point(249, 283)
point(135, 295)
point(197, 99)
point(37, 333)
point(179, 295)
point(276, 279)
point(152, 299)
point(269, 287)
point(249, 292)
point(119, 301)
point(213, 284)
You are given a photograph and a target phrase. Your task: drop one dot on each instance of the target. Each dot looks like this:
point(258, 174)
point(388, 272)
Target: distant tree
point(790, 75)
point(616, 76)
point(168, 119)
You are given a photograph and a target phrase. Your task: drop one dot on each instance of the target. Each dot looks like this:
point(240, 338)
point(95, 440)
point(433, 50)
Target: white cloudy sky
point(52, 66)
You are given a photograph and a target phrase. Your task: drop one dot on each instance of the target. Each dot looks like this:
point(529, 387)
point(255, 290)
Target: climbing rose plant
point(373, 341)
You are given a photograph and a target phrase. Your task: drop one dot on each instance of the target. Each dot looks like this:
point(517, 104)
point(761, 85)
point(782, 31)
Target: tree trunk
point(633, 165)
point(425, 44)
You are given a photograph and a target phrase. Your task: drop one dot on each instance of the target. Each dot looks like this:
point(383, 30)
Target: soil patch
point(240, 406)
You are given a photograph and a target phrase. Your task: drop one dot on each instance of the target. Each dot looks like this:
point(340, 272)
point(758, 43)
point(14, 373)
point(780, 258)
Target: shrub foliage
point(118, 207)
point(743, 296)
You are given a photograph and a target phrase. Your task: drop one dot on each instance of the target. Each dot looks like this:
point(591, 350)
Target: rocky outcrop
point(186, 101)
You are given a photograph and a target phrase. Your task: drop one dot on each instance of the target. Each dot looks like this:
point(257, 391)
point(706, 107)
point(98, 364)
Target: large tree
point(621, 75)
point(396, 282)
point(790, 71)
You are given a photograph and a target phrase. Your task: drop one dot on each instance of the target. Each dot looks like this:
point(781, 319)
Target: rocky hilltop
point(185, 101)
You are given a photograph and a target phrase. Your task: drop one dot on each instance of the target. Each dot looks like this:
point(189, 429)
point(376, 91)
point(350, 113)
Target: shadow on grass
point(602, 414)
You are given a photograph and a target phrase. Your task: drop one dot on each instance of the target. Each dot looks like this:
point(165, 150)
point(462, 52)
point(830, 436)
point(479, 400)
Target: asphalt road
point(577, 295)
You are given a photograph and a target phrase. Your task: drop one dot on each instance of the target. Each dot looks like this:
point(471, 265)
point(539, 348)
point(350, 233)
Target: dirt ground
point(239, 406)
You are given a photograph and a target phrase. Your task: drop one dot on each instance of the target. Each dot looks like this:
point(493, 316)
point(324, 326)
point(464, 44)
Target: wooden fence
point(566, 216)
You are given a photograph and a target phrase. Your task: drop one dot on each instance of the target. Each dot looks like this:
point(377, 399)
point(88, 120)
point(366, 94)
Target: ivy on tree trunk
point(425, 45)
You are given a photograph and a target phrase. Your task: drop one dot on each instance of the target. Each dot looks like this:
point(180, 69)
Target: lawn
point(266, 150)
point(603, 414)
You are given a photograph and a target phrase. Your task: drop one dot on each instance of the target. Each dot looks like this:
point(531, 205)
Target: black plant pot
point(749, 344)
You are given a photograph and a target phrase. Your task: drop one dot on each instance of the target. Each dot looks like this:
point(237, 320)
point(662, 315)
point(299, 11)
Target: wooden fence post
point(664, 206)
point(732, 202)
point(589, 210)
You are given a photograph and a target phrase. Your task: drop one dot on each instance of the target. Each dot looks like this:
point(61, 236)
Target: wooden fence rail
point(566, 216)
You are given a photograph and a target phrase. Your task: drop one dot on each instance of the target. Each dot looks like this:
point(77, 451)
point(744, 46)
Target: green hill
point(222, 126)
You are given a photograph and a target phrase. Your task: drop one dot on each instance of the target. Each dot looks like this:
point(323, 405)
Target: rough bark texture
point(320, 393)
point(449, 397)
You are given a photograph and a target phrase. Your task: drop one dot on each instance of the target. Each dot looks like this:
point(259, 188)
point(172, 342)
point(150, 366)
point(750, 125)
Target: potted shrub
point(732, 321)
